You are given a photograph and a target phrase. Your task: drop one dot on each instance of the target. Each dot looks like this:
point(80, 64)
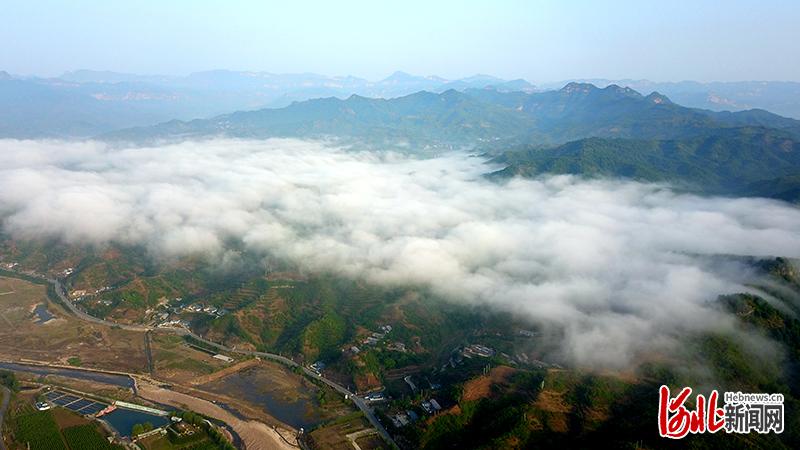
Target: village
point(412, 393)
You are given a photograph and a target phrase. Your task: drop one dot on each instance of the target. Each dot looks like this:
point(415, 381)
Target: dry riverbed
point(255, 435)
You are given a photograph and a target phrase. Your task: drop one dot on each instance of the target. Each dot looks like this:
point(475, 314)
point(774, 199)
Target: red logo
point(675, 421)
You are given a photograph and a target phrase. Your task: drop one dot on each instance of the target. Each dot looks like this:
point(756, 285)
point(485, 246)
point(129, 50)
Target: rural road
point(3, 407)
point(359, 402)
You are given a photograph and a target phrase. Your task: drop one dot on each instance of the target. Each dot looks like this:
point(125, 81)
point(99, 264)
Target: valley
point(84, 356)
point(447, 225)
point(393, 374)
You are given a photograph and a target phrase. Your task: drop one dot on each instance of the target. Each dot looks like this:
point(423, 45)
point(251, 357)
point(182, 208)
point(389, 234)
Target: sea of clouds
point(619, 267)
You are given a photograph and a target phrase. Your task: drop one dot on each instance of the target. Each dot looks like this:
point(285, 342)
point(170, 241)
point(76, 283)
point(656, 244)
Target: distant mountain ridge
point(580, 129)
point(780, 97)
point(423, 118)
point(84, 103)
point(455, 118)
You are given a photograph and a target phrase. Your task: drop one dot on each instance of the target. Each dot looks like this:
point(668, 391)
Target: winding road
point(358, 401)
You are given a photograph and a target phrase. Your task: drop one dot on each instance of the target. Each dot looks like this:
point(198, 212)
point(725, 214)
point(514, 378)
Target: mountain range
point(85, 103)
point(780, 97)
point(462, 118)
point(579, 129)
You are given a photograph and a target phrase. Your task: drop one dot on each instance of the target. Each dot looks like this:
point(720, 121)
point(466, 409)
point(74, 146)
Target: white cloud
point(621, 267)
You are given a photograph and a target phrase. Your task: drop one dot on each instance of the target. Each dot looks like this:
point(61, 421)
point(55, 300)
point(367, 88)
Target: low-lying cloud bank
point(620, 267)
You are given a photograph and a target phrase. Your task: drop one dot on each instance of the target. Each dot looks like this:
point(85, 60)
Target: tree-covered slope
point(736, 161)
point(451, 117)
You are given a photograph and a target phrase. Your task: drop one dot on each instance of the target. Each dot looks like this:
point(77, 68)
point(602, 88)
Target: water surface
point(123, 420)
point(107, 378)
point(42, 313)
point(297, 410)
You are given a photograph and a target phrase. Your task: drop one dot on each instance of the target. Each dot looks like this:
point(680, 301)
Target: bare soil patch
point(97, 346)
point(481, 387)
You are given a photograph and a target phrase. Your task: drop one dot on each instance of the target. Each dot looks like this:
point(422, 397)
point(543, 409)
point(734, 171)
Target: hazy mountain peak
point(400, 76)
point(480, 77)
point(356, 97)
point(658, 98)
point(623, 91)
point(5, 75)
point(578, 88)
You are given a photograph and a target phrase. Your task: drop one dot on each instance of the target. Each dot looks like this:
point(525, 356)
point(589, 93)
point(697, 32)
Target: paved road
point(81, 314)
point(3, 407)
point(358, 401)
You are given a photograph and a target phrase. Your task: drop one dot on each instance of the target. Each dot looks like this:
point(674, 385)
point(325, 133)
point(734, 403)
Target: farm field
point(176, 361)
point(55, 429)
point(86, 437)
point(61, 339)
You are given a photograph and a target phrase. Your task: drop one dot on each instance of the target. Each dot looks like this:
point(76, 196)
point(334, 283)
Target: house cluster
point(475, 350)
point(200, 308)
point(9, 265)
point(478, 350)
point(404, 418)
point(67, 272)
point(174, 323)
point(522, 358)
point(397, 347)
point(431, 406)
point(80, 294)
point(224, 358)
point(317, 367)
point(374, 397)
point(164, 320)
point(167, 316)
point(182, 428)
point(377, 336)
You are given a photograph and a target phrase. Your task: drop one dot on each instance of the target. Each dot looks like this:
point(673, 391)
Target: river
point(99, 377)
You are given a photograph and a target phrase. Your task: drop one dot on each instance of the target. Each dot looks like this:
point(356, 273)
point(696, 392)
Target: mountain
point(30, 109)
point(107, 76)
point(581, 110)
point(54, 108)
point(84, 103)
point(477, 116)
point(424, 118)
point(780, 97)
point(735, 161)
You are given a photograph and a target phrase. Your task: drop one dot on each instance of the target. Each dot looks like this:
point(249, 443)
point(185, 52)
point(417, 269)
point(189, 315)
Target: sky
point(537, 40)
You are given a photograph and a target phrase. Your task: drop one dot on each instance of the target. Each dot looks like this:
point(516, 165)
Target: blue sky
point(537, 40)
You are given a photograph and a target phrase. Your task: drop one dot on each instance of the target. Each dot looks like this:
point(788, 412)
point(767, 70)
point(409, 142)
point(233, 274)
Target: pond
point(292, 404)
point(123, 420)
point(43, 314)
